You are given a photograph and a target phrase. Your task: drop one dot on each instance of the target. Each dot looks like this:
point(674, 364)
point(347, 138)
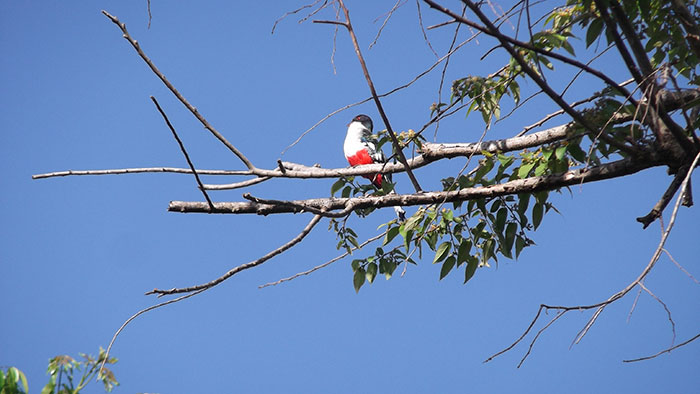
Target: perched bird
point(361, 148)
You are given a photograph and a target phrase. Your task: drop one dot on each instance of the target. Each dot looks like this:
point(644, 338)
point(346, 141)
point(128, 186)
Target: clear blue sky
point(77, 253)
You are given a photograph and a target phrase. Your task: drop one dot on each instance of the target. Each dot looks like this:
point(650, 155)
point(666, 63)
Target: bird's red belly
point(362, 157)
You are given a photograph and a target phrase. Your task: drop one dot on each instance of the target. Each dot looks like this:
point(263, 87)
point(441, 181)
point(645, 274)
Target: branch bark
point(528, 185)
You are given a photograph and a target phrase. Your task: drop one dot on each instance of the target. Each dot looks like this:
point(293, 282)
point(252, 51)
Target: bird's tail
point(400, 213)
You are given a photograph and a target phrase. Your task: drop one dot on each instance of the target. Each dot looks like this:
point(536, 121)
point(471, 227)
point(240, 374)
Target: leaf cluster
point(69, 376)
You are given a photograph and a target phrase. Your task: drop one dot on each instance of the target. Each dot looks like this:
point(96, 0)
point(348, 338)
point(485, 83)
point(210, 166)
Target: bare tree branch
point(663, 351)
point(141, 170)
point(601, 305)
point(680, 267)
point(177, 94)
point(139, 313)
point(326, 264)
point(184, 152)
point(242, 267)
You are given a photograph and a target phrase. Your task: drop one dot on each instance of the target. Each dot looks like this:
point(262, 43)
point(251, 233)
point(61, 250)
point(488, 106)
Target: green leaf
point(537, 212)
point(50, 386)
point(541, 168)
point(576, 152)
point(510, 235)
point(501, 217)
point(358, 279)
point(505, 160)
point(567, 46)
point(484, 167)
point(524, 169)
point(346, 192)
point(337, 185)
point(387, 268)
point(442, 252)
point(519, 245)
point(487, 250)
point(371, 272)
point(523, 203)
point(447, 266)
point(472, 264)
point(390, 235)
point(12, 376)
point(23, 378)
point(560, 152)
point(594, 31)
point(410, 224)
point(463, 250)
point(448, 215)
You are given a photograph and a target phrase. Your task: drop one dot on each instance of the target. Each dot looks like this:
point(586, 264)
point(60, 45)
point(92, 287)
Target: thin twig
point(120, 171)
point(601, 305)
point(422, 29)
point(326, 264)
point(681, 267)
point(649, 266)
point(237, 185)
point(242, 267)
point(184, 152)
point(286, 14)
point(177, 94)
point(663, 304)
point(532, 343)
point(663, 351)
point(527, 46)
point(397, 146)
point(149, 16)
point(388, 16)
point(139, 313)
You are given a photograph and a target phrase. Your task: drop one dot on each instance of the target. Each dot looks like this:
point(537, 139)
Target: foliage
point(65, 370)
point(13, 381)
point(476, 233)
point(62, 371)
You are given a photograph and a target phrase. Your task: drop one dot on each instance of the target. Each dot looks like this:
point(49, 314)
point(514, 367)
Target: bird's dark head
point(365, 120)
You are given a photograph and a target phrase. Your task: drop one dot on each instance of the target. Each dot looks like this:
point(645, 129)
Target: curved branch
point(326, 264)
point(601, 305)
point(663, 351)
point(242, 267)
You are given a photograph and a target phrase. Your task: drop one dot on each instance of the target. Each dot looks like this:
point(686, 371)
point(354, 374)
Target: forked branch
point(600, 306)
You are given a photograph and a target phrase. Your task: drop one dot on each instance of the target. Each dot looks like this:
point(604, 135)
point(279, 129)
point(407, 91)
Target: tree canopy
point(565, 95)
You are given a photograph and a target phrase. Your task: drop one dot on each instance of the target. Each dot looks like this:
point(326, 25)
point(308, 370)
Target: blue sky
point(77, 253)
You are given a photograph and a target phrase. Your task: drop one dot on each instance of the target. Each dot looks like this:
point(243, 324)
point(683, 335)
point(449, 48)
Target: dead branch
point(663, 351)
point(324, 265)
point(242, 267)
point(141, 170)
point(195, 112)
point(184, 152)
point(600, 306)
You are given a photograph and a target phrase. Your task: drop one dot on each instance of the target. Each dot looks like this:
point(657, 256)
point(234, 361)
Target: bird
point(360, 147)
